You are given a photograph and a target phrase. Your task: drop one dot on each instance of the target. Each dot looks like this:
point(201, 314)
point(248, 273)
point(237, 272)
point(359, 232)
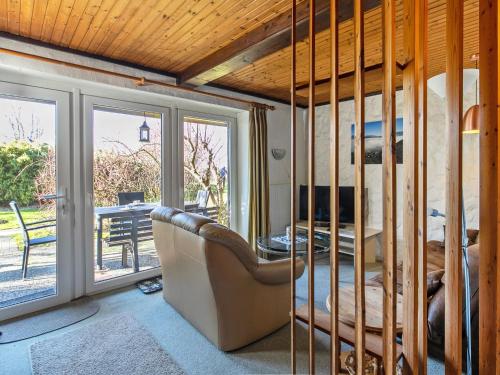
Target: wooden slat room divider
point(421, 66)
point(293, 182)
point(415, 46)
point(489, 103)
point(359, 182)
point(453, 241)
point(334, 190)
point(311, 182)
point(389, 242)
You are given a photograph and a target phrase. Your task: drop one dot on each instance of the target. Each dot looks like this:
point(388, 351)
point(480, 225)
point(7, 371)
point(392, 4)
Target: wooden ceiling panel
point(273, 70)
point(172, 35)
point(168, 35)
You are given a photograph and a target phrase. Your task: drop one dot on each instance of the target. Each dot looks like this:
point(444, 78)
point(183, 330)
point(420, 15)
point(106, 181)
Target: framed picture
point(374, 142)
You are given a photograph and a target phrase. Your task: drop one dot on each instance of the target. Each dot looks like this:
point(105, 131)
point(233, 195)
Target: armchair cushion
point(190, 221)
point(434, 281)
point(164, 214)
point(233, 241)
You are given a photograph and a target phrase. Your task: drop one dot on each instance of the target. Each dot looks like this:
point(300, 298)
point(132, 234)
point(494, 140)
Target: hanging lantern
point(144, 132)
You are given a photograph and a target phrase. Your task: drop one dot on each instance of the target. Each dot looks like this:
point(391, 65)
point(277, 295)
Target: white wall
point(437, 147)
point(279, 170)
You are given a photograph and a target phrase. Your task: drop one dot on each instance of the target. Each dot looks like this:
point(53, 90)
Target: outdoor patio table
point(135, 213)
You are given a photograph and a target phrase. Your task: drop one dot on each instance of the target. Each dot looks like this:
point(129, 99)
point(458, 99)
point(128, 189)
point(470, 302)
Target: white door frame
point(88, 158)
point(232, 156)
point(65, 208)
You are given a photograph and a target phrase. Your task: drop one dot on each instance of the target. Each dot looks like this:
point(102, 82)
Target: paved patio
point(41, 279)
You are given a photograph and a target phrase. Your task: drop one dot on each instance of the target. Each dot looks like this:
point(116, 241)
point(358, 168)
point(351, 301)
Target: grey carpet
point(47, 321)
point(192, 351)
point(117, 345)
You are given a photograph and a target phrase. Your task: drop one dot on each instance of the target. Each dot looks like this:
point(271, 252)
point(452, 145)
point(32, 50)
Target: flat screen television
point(322, 207)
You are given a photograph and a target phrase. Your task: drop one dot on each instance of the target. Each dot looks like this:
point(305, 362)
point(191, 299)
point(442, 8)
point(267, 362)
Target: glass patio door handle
point(58, 197)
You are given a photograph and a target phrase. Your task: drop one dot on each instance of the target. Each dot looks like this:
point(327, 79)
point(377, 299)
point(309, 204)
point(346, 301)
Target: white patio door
point(127, 164)
point(36, 204)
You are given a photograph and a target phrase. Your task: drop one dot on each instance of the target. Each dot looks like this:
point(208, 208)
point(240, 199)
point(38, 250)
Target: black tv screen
point(322, 206)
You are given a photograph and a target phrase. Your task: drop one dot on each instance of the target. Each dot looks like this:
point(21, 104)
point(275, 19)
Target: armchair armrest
point(278, 272)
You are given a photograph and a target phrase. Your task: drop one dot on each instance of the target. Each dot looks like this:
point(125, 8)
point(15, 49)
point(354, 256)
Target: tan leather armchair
point(214, 279)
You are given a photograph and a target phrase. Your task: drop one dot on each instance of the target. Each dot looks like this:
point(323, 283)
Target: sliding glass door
point(125, 164)
point(35, 199)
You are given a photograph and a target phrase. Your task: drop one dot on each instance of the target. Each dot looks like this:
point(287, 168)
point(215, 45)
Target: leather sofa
point(216, 282)
point(436, 294)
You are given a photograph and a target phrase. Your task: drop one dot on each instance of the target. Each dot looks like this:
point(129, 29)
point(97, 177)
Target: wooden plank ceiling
point(240, 41)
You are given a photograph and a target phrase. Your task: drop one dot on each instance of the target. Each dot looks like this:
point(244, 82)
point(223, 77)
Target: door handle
point(63, 197)
point(53, 197)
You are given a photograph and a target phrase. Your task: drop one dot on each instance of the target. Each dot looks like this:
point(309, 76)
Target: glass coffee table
point(281, 245)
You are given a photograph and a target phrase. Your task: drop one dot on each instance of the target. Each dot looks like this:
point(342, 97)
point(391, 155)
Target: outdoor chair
point(120, 229)
point(26, 228)
point(129, 197)
point(202, 198)
point(200, 204)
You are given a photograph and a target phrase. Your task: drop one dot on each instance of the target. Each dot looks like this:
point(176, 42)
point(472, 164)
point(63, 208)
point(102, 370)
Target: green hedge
point(20, 163)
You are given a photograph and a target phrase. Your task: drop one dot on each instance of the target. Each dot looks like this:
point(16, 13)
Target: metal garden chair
point(26, 228)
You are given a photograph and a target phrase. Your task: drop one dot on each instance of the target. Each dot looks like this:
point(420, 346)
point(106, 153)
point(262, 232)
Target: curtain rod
point(139, 81)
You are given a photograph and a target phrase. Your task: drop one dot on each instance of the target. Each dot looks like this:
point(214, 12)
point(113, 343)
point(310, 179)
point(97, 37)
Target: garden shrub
point(20, 163)
point(115, 172)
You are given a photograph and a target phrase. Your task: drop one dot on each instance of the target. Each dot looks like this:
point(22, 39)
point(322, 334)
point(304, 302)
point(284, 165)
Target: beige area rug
point(118, 345)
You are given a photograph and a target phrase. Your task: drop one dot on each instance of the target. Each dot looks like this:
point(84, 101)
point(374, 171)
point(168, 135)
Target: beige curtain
point(259, 177)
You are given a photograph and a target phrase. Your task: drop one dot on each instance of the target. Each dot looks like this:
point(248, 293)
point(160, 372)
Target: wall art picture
point(374, 142)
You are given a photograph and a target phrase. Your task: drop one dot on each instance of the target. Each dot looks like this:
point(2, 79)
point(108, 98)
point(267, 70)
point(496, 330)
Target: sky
point(108, 126)
point(43, 114)
point(112, 126)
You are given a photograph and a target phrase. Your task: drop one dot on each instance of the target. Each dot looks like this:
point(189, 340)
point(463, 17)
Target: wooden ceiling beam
point(378, 67)
point(272, 36)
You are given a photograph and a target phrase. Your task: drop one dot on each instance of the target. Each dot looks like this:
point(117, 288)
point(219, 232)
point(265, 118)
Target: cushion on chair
point(434, 281)
point(164, 214)
point(233, 241)
point(190, 221)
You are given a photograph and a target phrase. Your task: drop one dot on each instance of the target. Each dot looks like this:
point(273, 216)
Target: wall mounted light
point(278, 153)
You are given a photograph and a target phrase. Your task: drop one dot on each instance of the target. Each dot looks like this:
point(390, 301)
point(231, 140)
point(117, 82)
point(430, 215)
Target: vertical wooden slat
point(359, 166)
point(410, 192)
point(421, 15)
point(311, 182)
point(489, 363)
point(453, 242)
point(334, 190)
point(293, 186)
point(389, 186)
point(293, 182)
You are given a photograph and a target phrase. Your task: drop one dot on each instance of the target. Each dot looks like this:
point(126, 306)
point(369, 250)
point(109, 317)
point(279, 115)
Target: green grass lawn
point(31, 214)
point(8, 219)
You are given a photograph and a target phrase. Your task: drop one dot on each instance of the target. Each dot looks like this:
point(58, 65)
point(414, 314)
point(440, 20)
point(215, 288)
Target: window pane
point(28, 170)
point(127, 186)
point(206, 172)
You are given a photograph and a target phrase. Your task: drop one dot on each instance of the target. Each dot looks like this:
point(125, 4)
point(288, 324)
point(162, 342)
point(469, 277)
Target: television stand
point(373, 239)
point(326, 224)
